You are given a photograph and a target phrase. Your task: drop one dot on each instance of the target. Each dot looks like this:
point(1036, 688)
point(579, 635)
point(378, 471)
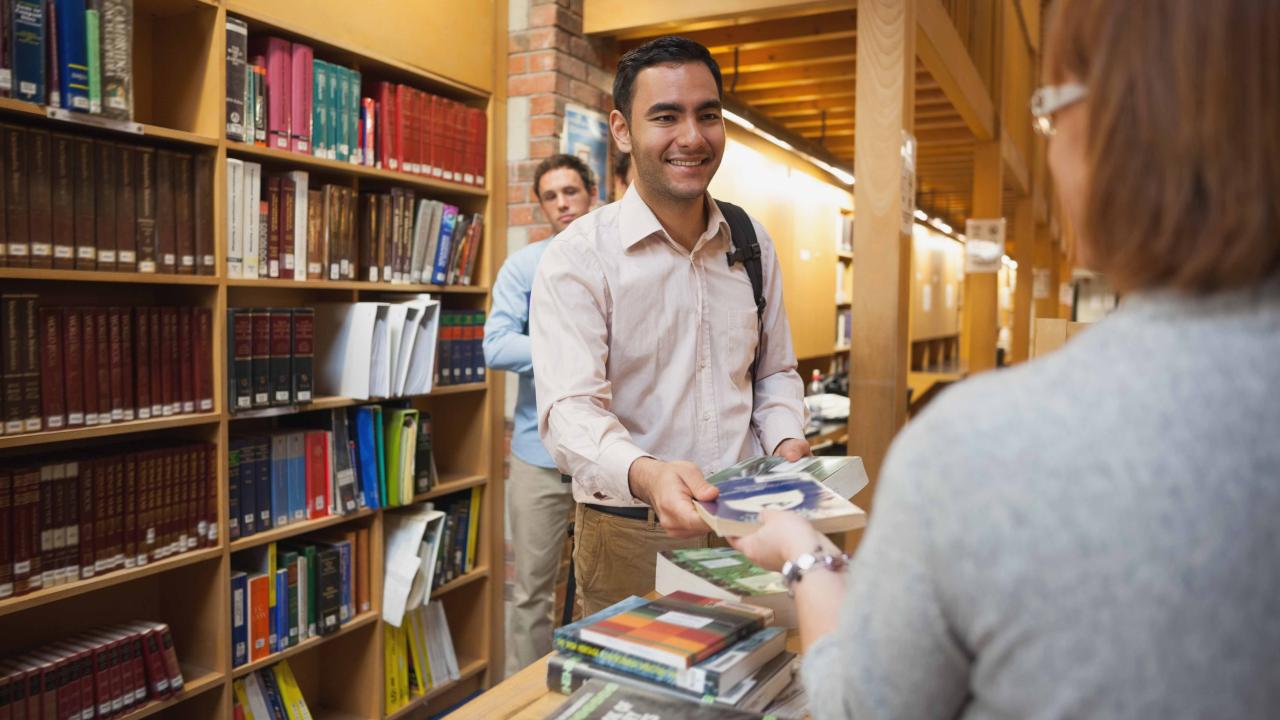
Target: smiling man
point(651, 363)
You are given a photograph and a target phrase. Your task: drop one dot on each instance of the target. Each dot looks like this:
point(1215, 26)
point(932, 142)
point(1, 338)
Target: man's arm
point(778, 413)
point(506, 346)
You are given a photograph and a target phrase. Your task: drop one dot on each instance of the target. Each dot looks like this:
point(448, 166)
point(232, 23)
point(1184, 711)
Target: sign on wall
point(983, 245)
point(586, 136)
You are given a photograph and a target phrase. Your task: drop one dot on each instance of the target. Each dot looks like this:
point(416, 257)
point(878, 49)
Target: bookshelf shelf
point(844, 255)
point(458, 389)
point(47, 437)
point(192, 685)
point(365, 618)
point(843, 348)
point(295, 529)
point(450, 484)
point(80, 587)
point(329, 402)
point(276, 283)
point(440, 187)
point(476, 575)
point(93, 276)
point(466, 671)
point(12, 107)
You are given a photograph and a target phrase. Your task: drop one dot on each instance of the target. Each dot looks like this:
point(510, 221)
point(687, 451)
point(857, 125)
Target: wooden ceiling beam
point(818, 91)
point(939, 47)
point(785, 56)
point(789, 77)
point(627, 18)
point(769, 33)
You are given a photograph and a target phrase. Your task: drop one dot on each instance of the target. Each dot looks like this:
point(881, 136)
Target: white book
point(379, 352)
point(252, 209)
point(257, 697)
point(442, 624)
point(299, 178)
point(304, 630)
point(235, 215)
point(422, 223)
point(396, 317)
point(404, 353)
point(420, 373)
point(433, 239)
point(346, 346)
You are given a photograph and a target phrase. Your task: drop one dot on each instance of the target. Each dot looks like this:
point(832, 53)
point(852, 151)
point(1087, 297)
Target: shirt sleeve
point(893, 654)
point(778, 410)
point(569, 328)
point(506, 339)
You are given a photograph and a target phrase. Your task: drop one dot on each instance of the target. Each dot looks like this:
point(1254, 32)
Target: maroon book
point(89, 363)
point(211, 491)
point(117, 364)
point(126, 158)
point(73, 366)
point(275, 209)
point(289, 259)
point(202, 352)
point(281, 367)
point(303, 360)
point(71, 521)
point(141, 352)
point(169, 364)
point(12, 376)
point(62, 218)
point(261, 367)
point(183, 214)
point(26, 530)
point(88, 541)
point(53, 404)
point(38, 181)
point(240, 335)
point(50, 514)
point(144, 169)
point(129, 510)
point(103, 328)
point(6, 533)
point(16, 199)
point(84, 223)
point(166, 223)
point(186, 362)
point(104, 205)
point(202, 220)
point(156, 345)
point(126, 363)
point(33, 420)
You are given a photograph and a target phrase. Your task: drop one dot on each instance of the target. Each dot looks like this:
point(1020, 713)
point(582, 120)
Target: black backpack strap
point(746, 250)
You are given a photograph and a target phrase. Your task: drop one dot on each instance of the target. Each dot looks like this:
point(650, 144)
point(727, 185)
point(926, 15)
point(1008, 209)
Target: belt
point(631, 513)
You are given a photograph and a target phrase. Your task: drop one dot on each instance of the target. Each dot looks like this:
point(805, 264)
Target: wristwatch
point(794, 570)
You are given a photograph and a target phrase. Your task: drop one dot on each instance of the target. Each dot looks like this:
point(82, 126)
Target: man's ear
point(620, 130)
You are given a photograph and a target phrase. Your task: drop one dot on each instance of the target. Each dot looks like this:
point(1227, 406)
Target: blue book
point(73, 57)
point(262, 482)
point(736, 510)
point(280, 613)
point(275, 700)
point(440, 264)
point(280, 479)
point(297, 477)
point(244, 468)
point(28, 50)
point(366, 457)
point(239, 619)
point(346, 610)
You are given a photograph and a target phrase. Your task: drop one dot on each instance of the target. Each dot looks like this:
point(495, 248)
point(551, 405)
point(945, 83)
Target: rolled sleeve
point(569, 329)
point(778, 410)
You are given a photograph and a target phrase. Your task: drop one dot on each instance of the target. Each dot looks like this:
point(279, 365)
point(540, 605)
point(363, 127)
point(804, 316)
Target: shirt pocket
point(742, 334)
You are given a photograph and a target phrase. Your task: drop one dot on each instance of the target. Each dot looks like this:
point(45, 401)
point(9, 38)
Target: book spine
point(81, 213)
point(39, 189)
point(165, 223)
point(299, 225)
point(315, 235)
point(281, 352)
point(300, 71)
point(115, 377)
point(126, 208)
point(303, 355)
point(29, 368)
point(258, 76)
point(183, 215)
point(235, 217)
point(128, 390)
point(62, 205)
point(279, 100)
point(93, 46)
point(72, 372)
point(239, 620)
point(237, 54)
point(187, 360)
point(170, 366)
point(104, 210)
point(140, 350)
point(274, 225)
point(117, 59)
point(52, 390)
point(260, 368)
point(73, 68)
point(156, 361)
point(202, 214)
point(29, 50)
point(16, 205)
point(319, 110)
point(6, 541)
point(369, 235)
point(287, 219)
point(249, 223)
point(145, 189)
point(202, 350)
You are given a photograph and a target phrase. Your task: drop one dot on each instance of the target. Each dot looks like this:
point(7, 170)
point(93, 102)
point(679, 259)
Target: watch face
point(806, 561)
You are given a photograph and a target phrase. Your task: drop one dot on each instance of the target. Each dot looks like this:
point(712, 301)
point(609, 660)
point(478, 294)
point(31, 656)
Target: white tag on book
point(684, 619)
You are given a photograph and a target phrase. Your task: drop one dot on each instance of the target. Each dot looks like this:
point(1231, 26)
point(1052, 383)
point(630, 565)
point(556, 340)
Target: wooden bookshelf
point(179, 67)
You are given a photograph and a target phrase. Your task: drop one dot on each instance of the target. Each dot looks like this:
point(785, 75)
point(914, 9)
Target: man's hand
point(792, 449)
point(782, 536)
point(670, 489)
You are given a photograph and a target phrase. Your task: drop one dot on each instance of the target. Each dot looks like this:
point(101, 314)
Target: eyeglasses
point(1050, 99)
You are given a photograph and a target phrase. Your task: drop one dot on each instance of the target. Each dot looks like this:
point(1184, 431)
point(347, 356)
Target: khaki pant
point(614, 557)
point(538, 505)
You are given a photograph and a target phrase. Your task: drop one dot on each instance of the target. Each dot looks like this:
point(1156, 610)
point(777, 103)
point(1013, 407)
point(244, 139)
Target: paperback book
point(845, 475)
point(724, 573)
point(600, 700)
point(736, 510)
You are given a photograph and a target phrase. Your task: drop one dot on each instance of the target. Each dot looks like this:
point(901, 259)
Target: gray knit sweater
point(1093, 534)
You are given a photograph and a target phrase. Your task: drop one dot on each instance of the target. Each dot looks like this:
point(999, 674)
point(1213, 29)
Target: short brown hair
point(1183, 137)
point(555, 162)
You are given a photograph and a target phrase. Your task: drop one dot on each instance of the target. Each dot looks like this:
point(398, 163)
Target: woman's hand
point(782, 536)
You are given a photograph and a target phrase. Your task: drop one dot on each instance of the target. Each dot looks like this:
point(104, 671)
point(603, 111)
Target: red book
point(275, 225)
point(261, 362)
point(6, 537)
point(26, 530)
point(141, 352)
point(62, 219)
point(186, 361)
point(88, 541)
point(300, 69)
point(428, 134)
point(166, 228)
point(103, 329)
point(317, 468)
point(153, 657)
point(126, 363)
point(156, 346)
point(126, 158)
point(53, 405)
point(88, 363)
point(277, 52)
point(117, 364)
point(368, 131)
point(39, 165)
point(259, 616)
point(413, 132)
point(401, 120)
point(86, 249)
point(169, 401)
point(73, 366)
point(480, 122)
point(202, 347)
point(129, 509)
point(386, 126)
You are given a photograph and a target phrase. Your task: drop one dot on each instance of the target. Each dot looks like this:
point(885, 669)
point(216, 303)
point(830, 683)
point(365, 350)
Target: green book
point(726, 574)
point(331, 96)
point(379, 447)
point(92, 30)
point(353, 112)
point(401, 429)
point(307, 588)
point(319, 110)
point(343, 103)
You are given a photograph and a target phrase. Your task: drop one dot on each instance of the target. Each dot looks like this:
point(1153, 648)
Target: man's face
point(563, 197)
point(675, 134)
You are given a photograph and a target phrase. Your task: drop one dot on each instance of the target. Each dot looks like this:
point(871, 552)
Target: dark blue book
point(28, 43)
point(262, 482)
point(244, 476)
point(275, 700)
point(280, 616)
point(233, 492)
point(73, 60)
point(239, 619)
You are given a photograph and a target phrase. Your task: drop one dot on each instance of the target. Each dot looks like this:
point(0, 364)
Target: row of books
point(280, 96)
point(279, 228)
point(268, 694)
point(106, 671)
point(427, 547)
point(285, 593)
point(68, 367)
point(72, 54)
point(461, 347)
point(418, 656)
point(270, 356)
point(378, 349)
point(72, 202)
point(63, 520)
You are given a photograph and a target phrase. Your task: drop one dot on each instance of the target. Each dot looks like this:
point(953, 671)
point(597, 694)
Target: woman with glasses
point(1096, 533)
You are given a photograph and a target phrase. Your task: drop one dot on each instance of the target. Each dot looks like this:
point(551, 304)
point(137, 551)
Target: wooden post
point(1024, 231)
point(978, 329)
point(885, 107)
point(1045, 305)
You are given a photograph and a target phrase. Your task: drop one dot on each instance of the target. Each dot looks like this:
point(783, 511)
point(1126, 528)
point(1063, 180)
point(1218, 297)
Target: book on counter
point(725, 573)
point(601, 700)
point(845, 475)
point(736, 510)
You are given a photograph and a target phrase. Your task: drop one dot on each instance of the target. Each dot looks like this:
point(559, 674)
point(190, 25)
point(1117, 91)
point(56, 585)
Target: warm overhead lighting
point(1010, 262)
point(945, 228)
point(921, 215)
point(738, 120)
point(843, 176)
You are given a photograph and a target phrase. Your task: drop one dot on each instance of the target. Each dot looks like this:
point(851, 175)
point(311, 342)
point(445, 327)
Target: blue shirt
point(506, 347)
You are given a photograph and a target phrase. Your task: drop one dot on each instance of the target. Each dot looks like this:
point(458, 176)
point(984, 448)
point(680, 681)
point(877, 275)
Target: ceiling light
point(738, 120)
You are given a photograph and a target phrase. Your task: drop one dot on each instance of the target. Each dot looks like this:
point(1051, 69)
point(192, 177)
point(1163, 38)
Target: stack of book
point(461, 347)
point(72, 54)
point(684, 646)
point(279, 96)
point(66, 519)
point(75, 203)
point(106, 671)
point(426, 548)
point(285, 593)
point(269, 693)
point(419, 655)
point(270, 354)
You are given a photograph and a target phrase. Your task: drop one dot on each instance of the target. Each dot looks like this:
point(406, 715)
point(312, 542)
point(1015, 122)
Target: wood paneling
point(978, 337)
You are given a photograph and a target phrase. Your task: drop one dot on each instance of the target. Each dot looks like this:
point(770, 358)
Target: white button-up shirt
point(642, 348)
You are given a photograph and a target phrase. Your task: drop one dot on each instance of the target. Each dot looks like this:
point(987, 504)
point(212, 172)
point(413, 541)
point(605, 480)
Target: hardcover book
point(600, 700)
point(736, 510)
point(724, 573)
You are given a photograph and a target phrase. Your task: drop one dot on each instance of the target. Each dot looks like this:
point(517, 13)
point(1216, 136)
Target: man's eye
point(711, 116)
point(664, 118)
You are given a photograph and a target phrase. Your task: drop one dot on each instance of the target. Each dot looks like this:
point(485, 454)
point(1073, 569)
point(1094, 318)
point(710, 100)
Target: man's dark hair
point(659, 51)
point(621, 164)
point(555, 162)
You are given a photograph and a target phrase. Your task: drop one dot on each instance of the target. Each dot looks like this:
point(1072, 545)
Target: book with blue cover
point(846, 475)
point(736, 511)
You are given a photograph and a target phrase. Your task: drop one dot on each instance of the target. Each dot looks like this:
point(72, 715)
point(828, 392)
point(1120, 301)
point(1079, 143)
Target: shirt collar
point(637, 222)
